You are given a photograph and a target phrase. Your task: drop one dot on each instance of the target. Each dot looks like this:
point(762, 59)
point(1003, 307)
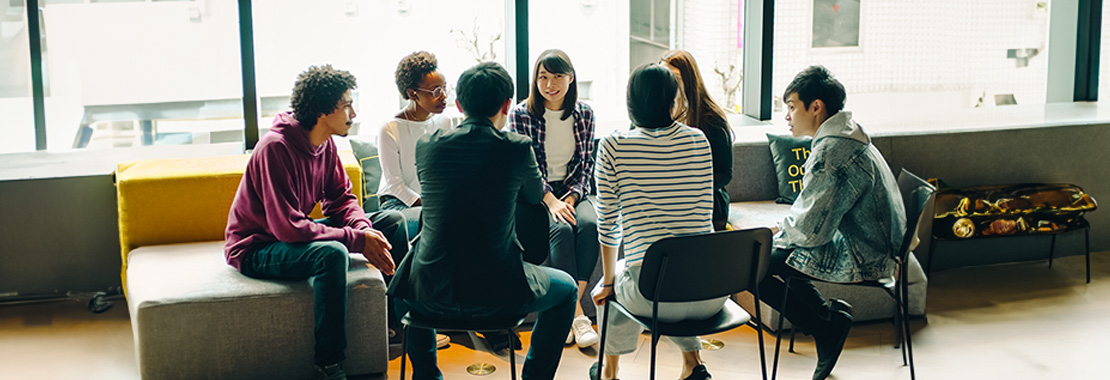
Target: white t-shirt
point(558, 144)
point(397, 150)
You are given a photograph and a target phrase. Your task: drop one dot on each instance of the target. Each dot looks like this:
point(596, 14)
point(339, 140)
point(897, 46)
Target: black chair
point(916, 193)
point(483, 325)
point(700, 267)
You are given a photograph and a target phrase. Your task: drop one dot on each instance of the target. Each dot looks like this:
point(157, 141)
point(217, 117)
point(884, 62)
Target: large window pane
point(123, 74)
point(369, 39)
point(898, 58)
point(709, 31)
point(18, 127)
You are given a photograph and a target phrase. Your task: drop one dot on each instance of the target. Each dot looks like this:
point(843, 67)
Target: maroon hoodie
point(285, 178)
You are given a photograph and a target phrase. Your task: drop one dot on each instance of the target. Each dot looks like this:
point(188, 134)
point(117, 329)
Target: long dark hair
point(701, 111)
point(651, 95)
point(555, 61)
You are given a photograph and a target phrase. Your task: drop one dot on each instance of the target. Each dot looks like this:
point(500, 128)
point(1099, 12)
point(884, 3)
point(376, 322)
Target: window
point(604, 51)
point(369, 39)
point(15, 79)
point(123, 74)
point(911, 56)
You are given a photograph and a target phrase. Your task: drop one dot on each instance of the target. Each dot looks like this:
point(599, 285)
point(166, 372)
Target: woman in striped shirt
point(654, 181)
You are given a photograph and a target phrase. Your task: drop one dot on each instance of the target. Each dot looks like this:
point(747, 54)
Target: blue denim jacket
point(848, 221)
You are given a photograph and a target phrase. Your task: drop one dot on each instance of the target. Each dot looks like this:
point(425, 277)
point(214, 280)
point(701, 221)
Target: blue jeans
point(556, 310)
point(325, 262)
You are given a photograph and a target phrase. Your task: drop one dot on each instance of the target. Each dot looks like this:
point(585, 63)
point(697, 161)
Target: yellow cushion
point(186, 200)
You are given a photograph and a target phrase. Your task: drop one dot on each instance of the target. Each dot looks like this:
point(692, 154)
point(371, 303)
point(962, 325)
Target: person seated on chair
point(269, 233)
point(468, 262)
point(654, 181)
point(847, 223)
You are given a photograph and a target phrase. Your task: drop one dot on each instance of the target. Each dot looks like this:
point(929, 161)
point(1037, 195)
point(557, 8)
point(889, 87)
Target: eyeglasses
point(436, 92)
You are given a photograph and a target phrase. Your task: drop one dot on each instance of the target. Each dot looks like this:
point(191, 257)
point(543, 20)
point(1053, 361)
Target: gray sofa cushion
point(195, 317)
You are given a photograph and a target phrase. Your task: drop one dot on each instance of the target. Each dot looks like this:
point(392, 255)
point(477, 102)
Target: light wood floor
point(1013, 321)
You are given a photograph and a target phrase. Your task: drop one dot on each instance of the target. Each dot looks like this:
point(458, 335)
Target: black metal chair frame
point(506, 325)
point(700, 267)
point(916, 193)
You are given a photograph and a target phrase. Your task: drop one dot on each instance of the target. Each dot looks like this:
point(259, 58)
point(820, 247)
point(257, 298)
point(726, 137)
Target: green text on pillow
point(789, 154)
point(367, 154)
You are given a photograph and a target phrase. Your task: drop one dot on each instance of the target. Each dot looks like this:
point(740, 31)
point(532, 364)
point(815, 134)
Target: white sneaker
point(570, 335)
point(442, 341)
point(584, 333)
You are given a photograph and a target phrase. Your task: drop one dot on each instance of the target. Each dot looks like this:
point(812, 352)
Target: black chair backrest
point(915, 195)
point(705, 266)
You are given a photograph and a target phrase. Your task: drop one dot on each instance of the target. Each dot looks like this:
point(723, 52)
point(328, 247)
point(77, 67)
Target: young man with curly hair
point(295, 166)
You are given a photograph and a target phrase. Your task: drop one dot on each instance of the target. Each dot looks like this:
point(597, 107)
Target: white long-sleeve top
point(396, 149)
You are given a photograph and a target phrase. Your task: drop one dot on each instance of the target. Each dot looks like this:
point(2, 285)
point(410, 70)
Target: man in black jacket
point(468, 261)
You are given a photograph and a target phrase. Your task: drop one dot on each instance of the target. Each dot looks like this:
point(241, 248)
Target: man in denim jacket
point(847, 223)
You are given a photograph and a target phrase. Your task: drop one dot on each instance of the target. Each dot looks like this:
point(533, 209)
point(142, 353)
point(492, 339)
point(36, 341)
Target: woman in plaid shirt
point(562, 133)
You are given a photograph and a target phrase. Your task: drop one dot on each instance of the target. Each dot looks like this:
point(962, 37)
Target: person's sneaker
point(584, 333)
point(595, 373)
point(831, 343)
point(570, 336)
point(699, 373)
point(330, 372)
point(442, 341)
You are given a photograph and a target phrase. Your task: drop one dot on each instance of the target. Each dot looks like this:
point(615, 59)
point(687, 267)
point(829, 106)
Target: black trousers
point(806, 308)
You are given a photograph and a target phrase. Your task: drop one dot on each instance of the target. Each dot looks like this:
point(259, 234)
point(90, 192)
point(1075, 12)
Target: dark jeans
point(805, 308)
point(325, 262)
point(574, 248)
point(556, 310)
point(412, 214)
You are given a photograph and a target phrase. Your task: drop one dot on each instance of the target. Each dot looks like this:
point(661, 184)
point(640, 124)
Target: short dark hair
point(651, 94)
point(412, 69)
point(555, 61)
point(317, 92)
point(816, 82)
point(483, 88)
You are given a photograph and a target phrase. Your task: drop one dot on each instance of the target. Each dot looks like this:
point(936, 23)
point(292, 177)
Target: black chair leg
point(404, 349)
point(1087, 244)
point(908, 347)
point(601, 344)
point(654, 343)
point(1051, 251)
point(759, 333)
point(778, 336)
point(512, 352)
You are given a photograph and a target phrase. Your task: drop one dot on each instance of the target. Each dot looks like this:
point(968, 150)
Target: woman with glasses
point(420, 81)
point(698, 110)
point(562, 132)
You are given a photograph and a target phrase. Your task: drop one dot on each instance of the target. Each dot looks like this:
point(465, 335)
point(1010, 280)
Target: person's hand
point(571, 200)
point(561, 211)
point(601, 295)
point(377, 252)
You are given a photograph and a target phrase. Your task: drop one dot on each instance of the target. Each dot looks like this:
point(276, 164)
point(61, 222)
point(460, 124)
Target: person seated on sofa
point(420, 82)
point(847, 223)
point(637, 204)
point(468, 261)
point(698, 110)
point(294, 166)
point(562, 131)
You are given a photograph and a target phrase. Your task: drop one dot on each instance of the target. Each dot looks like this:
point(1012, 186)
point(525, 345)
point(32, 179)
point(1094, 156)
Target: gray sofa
point(195, 317)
